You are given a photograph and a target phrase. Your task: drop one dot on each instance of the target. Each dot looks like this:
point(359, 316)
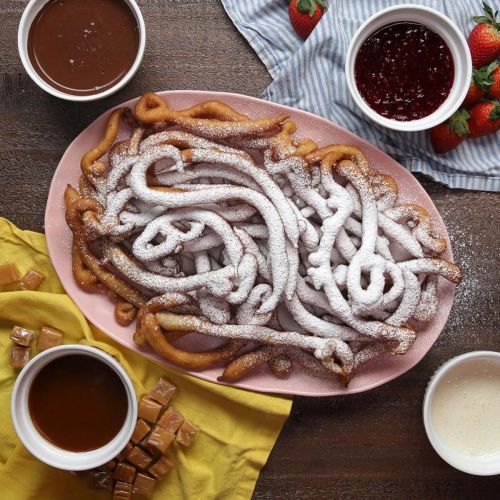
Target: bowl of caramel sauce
point(74, 407)
point(81, 50)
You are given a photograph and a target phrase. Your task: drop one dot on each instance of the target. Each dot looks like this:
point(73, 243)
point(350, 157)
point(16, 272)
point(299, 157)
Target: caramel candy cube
point(161, 468)
point(19, 356)
point(124, 472)
point(144, 485)
point(22, 336)
point(171, 420)
point(123, 454)
point(140, 431)
point(101, 480)
point(31, 280)
point(108, 466)
point(186, 434)
point(48, 337)
point(159, 440)
point(163, 391)
point(122, 491)
point(139, 458)
point(149, 410)
point(9, 273)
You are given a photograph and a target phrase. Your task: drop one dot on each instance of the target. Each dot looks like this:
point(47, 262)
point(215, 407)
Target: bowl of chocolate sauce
point(408, 68)
point(74, 407)
point(81, 50)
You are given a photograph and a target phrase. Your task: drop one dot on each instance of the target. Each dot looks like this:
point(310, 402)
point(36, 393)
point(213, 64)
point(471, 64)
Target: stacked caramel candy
point(22, 339)
point(143, 462)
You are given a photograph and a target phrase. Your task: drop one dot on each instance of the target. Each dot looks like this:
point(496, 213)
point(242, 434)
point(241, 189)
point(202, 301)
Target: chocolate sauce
point(78, 403)
point(404, 71)
point(83, 47)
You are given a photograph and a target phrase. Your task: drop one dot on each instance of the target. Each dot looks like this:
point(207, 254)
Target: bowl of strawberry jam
point(408, 68)
point(74, 407)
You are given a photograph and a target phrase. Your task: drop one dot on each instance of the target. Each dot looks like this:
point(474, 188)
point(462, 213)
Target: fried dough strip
point(195, 361)
point(89, 164)
point(86, 267)
point(217, 110)
point(305, 147)
point(86, 188)
point(280, 366)
point(75, 213)
point(241, 366)
point(222, 123)
point(125, 312)
point(339, 152)
point(423, 225)
point(117, 285)
point(159, 303)
point(326, 349)
point(85, 278)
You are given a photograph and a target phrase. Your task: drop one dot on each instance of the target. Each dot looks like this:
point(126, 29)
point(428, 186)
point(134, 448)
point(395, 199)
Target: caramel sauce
point(78, 403)
point(83, 47)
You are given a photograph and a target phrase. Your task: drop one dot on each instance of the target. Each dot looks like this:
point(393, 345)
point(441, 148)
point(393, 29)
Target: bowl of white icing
point(462, 412)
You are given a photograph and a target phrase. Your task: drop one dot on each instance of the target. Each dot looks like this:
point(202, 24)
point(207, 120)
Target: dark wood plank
point(362, 446)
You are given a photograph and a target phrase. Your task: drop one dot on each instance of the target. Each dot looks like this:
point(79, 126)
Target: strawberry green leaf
point(309, 6)
point(458, 123)
point(489, 12)
point(481, 19)
point(490, 17)
point(483, 77)
point(304, 6)
point(495, 113)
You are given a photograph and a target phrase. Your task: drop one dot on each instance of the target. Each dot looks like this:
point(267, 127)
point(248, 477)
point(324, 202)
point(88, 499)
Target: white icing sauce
point(465, 409)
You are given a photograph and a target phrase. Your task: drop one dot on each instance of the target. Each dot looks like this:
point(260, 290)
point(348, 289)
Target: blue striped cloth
point(310, 75)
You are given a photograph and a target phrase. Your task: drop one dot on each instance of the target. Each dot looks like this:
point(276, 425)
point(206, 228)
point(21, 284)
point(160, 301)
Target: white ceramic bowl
point(29, 14)
point(485, 465)
point(437, 22)
point(43, 449)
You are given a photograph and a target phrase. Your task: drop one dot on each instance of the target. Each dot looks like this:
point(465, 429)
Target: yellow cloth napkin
point(237, 428)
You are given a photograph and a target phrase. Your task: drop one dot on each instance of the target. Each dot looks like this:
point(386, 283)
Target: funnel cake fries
point(205, 220)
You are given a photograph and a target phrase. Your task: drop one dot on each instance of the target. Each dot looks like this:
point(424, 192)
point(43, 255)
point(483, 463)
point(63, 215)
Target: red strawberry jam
point(404, 71)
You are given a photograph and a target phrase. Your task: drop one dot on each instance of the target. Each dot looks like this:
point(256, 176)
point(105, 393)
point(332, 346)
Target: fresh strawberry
point(305, 15)
point(451, 133)
point(495, 86)
point(473, 94)
point(484, 39)
point(484, 118)
point(482, 80)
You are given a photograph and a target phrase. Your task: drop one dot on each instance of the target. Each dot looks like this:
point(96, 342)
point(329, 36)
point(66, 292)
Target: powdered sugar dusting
point(196, 197)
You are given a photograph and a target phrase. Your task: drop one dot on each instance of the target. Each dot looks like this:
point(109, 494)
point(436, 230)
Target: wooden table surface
point(361, 446)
